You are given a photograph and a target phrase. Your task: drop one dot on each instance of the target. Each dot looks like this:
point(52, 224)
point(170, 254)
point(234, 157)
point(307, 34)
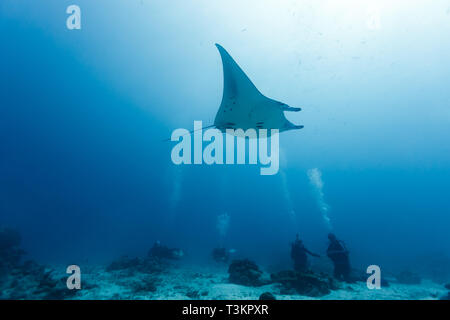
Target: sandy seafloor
point(181, 281)
point(211, 283)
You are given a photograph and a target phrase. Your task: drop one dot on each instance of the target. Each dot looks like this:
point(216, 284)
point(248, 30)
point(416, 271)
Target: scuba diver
point(447, 297)
point(164, 252)
point(299, 255)
point(220, 255)
point(338, 253)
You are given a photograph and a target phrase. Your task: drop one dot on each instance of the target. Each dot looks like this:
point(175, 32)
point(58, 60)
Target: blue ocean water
point(85, 174)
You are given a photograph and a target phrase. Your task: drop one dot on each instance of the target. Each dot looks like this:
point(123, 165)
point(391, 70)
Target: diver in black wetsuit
point(299, 255)
point(220, 255)
point(338, 253)
point(163, 252)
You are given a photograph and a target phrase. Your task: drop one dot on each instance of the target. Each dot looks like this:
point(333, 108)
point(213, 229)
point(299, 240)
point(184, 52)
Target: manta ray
point(243, 106)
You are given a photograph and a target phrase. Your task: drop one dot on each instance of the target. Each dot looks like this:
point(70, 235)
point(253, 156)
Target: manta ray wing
point(243, 106)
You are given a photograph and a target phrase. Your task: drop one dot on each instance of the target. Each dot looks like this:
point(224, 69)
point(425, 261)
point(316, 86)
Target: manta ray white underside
point(243, 106)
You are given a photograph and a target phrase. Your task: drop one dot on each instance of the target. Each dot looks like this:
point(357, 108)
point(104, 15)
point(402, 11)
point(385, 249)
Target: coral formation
point(27, 280)
point(304, 283)
point(10, 251)
point(245, 272)
point(267, 296)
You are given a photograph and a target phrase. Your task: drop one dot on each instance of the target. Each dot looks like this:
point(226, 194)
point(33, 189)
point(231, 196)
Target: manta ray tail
point(192, 131)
